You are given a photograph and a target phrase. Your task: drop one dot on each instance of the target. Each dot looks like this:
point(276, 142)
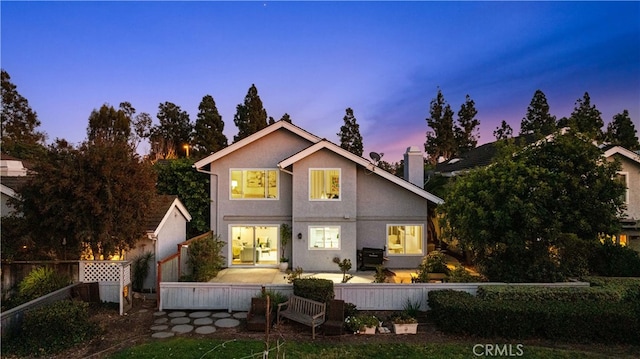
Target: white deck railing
point(379, 296)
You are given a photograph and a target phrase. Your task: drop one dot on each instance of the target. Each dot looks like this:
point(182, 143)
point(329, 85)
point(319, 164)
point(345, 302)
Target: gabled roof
point(611, 150)
point(324, 144)
point(254, 137)
point(13, 182)
point(161, 209)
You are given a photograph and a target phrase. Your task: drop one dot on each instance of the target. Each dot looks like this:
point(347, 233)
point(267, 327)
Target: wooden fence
point(379, 296)
point(171, 268)
point(114, 279)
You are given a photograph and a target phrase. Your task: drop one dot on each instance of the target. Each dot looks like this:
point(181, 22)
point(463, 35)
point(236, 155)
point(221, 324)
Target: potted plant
point(285, 238)
point(405, 324)
point(368, 324)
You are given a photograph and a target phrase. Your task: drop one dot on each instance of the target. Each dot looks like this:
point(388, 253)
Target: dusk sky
point(386, 60)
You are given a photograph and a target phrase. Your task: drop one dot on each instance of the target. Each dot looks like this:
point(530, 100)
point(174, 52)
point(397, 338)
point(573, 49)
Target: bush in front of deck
point(318, 289)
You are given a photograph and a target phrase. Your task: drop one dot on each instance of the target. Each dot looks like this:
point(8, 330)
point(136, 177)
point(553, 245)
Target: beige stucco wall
point(381, 202)
point(342, 212)
point(265, 152)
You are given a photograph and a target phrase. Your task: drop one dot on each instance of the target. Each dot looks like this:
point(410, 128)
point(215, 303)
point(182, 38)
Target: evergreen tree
point(503, 132)
point(208, 136)
point(622, 132)
point(250, 117)
point(441, 140)
point(586, 118)
point(466, 130)
point(350, 138)
point(538, 119)
point(18, 123)
point(286, 117)
point(173, 132)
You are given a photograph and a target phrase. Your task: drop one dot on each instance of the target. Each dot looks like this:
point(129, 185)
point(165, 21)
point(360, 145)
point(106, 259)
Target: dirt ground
point(120, 332)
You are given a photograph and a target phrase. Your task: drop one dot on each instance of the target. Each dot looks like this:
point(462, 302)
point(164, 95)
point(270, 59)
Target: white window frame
point(339, 183)
point(313, 248)
point(386, 238)
point(267, 198)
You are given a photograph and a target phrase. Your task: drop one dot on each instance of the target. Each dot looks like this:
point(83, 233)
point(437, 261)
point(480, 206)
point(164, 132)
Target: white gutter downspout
point(217, 190)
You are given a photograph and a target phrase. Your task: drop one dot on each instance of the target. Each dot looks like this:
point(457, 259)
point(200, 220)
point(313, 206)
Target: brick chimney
point(414, 166)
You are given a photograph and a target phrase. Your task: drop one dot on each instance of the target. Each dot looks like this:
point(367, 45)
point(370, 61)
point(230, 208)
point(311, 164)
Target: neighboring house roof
point(256, 136)
point(610, 150)
point(161, 209)
point(324, 144)
point(13, 182)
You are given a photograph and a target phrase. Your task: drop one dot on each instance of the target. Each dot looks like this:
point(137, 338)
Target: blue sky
point(386, 60)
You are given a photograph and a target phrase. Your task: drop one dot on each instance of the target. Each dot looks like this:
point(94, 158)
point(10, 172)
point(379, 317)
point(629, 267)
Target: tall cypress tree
point(586, 118)
point(466, 130)
point(250, 116)
point(208, 136)
point(441, 140)
point(538, 120)
point(350, 138)
point(622, 132)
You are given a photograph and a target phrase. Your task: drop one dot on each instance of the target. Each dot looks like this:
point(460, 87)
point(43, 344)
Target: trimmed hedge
point(320, 290)
point(580, 321)
point(560, 294)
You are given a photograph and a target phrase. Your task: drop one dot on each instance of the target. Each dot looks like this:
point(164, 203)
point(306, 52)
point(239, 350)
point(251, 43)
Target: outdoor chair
point(335, 318)
point(257, 316)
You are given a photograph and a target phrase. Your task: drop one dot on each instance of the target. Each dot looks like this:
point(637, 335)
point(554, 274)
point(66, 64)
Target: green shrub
point(560, 294)
point(275, 296)
point(581, 321)
point(434, 262)
point(612, 260)
point(461, 275)
point(140, 270)
point(205, 257)
point(41, 281)
point(52, 328)
point(320, 290)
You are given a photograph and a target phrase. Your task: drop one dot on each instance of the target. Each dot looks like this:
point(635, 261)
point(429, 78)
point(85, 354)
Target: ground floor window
point(254, 245)
point(324, 237)
point(405, 239)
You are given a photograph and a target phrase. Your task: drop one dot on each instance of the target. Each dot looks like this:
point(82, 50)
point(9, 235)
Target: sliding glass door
point(254, 245)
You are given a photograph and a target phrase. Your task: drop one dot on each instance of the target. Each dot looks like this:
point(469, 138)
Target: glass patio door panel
point(254, 245)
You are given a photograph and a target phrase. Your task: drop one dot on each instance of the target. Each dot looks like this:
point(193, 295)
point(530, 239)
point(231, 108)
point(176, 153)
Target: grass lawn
point(205, 348)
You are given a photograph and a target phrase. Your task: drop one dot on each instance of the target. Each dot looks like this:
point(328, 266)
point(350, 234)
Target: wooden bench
point(303, 310)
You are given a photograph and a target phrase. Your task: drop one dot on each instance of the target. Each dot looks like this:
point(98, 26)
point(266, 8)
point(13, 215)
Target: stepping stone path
point(168, 324)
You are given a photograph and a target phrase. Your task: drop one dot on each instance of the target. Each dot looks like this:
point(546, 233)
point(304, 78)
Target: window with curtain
point(253, 183)
point(405, 239)
point(324, 237)
point(324, 184)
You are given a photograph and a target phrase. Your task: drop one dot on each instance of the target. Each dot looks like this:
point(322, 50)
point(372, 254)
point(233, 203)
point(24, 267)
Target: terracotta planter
point(411, 328)
point(368, 330)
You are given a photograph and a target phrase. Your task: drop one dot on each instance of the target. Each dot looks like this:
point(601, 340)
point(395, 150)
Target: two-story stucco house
point(335, 202)
point(629, 174)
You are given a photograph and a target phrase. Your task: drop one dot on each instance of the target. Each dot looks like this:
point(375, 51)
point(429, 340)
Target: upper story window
point(405, 239)
point(254, 183)
point(324, 184)
point(623, 178)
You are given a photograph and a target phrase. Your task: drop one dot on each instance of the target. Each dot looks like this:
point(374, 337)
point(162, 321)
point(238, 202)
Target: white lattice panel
point(102, 272)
